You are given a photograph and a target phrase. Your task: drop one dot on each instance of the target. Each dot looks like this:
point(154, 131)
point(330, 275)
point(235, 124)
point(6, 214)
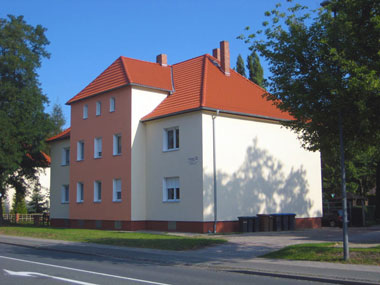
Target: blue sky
point(86, 36)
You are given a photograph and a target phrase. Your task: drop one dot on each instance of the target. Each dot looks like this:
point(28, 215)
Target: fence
point(36, 219)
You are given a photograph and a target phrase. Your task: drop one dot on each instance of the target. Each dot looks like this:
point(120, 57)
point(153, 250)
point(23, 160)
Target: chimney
point(162, 59)
point(216, 53)
point(225, 57)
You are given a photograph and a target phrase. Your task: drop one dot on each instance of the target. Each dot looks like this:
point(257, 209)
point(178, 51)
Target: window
point(98, 147)
point(65, 194)
point(80, 194)
point(98, 108)
point(80, 150)
point(117, 144)
point(85, 111)
point(112, 104)
point(97, 191)
point(171, 189)
point(116, 190)
point(171, 139)
point(65, 156)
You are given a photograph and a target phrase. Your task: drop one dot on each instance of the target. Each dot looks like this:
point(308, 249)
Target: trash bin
point(292, 221)
point(256, 225)
point(277, 222)
point(243, 223)
point(250, 224)
point(264, 221)
point(285, 222)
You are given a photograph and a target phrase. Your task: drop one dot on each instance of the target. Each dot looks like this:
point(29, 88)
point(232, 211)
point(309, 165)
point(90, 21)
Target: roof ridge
point(203, 84)
point(190, 59)
point(145, 61)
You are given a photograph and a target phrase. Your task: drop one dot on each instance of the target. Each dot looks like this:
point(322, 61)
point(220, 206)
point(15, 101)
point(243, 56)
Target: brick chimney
point(162, 59)
point(225, 57)
point(216, 53)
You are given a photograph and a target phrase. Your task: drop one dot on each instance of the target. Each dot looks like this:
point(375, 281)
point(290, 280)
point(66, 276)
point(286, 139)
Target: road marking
point(84, 271)
point(36, 274)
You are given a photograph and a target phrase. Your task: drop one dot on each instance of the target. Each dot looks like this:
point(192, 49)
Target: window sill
point(118, 154)
point(79, 202)
point(65, 164)
point(79, 160)
point(169, 150)
point(98, 157)
point(117, 201)
point(172, 201)
point(99, 201)
point(65, 202)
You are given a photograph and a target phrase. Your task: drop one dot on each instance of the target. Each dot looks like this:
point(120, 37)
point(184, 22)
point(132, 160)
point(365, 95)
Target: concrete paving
point(240, 254)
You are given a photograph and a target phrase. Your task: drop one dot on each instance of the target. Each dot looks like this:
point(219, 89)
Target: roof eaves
point(150, 87)
point(171, 114)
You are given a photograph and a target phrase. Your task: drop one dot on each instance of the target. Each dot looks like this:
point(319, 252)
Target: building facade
point(141, 151)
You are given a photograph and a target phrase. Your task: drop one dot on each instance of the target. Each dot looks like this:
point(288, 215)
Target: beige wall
point(185, 163)
point(59, 175)
point(261, 168)
point(143, 102)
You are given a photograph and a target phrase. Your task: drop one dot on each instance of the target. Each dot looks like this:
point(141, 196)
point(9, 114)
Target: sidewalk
point(235, 256)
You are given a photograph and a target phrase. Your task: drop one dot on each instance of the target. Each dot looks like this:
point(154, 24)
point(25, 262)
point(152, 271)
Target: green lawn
point(130, 239)
point(328, 252)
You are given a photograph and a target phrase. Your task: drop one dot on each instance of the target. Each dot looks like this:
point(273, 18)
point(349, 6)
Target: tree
point(256, 73)
point(240, 66)
point(57, 119)
point(326, 73)
point(37, 204)
point(23, 122)
point(19, 204)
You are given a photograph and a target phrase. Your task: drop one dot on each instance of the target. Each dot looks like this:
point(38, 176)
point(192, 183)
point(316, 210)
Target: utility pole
point(346, 252)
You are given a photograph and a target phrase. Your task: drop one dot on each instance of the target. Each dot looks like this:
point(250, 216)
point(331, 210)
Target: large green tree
point(240, 68)
point(256, 72)
point(23, 121)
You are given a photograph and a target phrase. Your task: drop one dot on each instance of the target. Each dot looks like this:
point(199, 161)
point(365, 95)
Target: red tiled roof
point(61, 136)
point(127, 71)
point(200, 83)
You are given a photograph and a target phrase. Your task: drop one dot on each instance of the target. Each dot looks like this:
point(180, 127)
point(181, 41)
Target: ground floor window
point(80, 190)
point(97, 191)
point(117, 190)
point(65, 194)
point(171, 189)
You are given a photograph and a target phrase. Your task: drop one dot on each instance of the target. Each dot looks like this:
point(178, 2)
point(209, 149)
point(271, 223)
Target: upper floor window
point(80, 192)
point(80, 150)
point(112, 104)
point(65, 194)
point(98, 147)
point(116, 190)
point(117, 144)
point(85, 111)
point(97, 191)
point(65, 156)
point(171, 138)
point(171, 191)
point(98, 108)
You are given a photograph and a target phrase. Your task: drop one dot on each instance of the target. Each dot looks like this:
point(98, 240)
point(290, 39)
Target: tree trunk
point(378, 191)
point(1, 209)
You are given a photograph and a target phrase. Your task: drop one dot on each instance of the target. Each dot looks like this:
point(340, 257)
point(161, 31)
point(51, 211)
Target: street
point(33, 266)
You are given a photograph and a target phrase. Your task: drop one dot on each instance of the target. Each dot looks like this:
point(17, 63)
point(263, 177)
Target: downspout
point(214, 166)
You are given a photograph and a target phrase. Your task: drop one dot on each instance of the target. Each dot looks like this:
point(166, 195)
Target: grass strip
point(327, 252)
point(118, 238)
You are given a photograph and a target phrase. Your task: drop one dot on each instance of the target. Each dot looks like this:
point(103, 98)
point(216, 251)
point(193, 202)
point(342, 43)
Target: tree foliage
point(58, 120)
point(324, 62)
point(256, 72)
point(240, 68)
point(19, 204)
point(38, 203)
point(23, 122)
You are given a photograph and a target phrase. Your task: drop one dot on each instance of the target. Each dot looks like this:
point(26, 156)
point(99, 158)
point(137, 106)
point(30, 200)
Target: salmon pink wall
point(106, 168)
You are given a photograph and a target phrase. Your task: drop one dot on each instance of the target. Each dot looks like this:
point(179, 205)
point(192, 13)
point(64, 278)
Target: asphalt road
point(20, 265)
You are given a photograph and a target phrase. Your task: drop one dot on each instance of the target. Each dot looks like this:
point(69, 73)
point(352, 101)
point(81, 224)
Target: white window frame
point(80, 192)
point(65, 156)
point(85, 111)
point(112, 104)
point(80, 150)
point(98, 108)
point(168, 184)
point(175, 138)
point(97, 191)
point(116, 188)
point(65, 193)
point(117, 144)
point(98, 147)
